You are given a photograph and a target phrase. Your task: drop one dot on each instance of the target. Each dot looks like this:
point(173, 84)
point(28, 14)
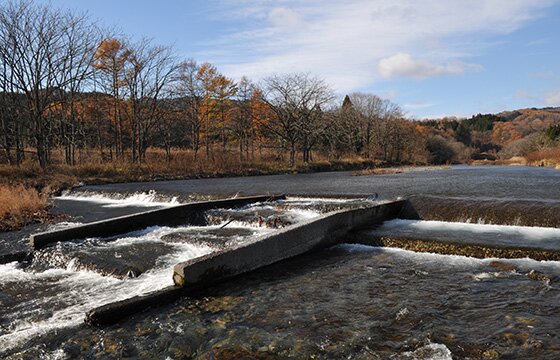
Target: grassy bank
point(548, 157)
point(90, 170)
point(543, 158)
point(20, 206)
point(26, 188)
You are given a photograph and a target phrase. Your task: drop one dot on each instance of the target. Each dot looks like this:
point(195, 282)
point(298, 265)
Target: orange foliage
point(111, 55)
point(522, 123)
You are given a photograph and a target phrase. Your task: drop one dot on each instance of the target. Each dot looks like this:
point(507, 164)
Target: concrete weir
point(282, 244)
point(171, 216)
point(464, 247)
point(494, 211)
point(194, 275)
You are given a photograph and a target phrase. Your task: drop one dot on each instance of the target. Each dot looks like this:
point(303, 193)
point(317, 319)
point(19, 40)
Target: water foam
point(527, 232)
point(76, 292)
point(452, 261)
point(432, 351)
point(141, 199)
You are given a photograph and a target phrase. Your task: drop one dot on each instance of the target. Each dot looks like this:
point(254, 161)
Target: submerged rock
point(503, 266)
point(538, 276)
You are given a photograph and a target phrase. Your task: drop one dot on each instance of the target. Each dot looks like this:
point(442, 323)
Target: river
point(349, 301)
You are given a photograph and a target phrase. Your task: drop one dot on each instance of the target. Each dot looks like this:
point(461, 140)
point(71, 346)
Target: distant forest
point(72, 92)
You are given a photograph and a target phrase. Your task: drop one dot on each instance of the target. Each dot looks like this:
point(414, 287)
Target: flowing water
point(349, 301)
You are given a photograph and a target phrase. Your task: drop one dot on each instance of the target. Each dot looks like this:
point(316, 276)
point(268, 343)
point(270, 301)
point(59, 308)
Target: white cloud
point(345, 41)
point(284, 18)
point(419, 105)
point(552, 98)
point(391, 94)
point(404, 65)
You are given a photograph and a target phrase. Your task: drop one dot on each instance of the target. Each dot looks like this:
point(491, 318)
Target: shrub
point(440, 151)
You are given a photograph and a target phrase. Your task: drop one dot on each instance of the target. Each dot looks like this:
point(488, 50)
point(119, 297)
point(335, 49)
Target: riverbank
point(36, 185)
point(21, 206)
point(57, 178)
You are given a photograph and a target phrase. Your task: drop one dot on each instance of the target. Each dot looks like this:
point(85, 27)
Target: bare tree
point(43, 53)
point(189, 89)
point(377, 123)
point(242, 116)
point(296, 100)
point(150, 73)
point(81, 40)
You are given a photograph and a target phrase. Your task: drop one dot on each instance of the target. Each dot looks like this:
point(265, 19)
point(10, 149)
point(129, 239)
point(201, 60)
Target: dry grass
point(547, 157)
point(514, 161)
point(379, 171)
point(19, 206)
point(398, 170)
point(91, 170)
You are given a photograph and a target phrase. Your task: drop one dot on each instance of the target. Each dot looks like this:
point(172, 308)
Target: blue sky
point(433, 57)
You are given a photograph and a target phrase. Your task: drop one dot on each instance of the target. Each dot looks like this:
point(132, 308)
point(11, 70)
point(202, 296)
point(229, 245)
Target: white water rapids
point(38, 302)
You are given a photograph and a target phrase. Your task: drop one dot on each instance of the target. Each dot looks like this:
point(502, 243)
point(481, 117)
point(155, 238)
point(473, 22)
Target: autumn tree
point(216, 100)
point(110, 59)
point(246, 116)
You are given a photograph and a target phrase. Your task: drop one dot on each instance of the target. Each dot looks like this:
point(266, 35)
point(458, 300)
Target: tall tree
point(111, 57)
point(43, 53)
point(216, 99)
point(191, 92)
point(149, 76)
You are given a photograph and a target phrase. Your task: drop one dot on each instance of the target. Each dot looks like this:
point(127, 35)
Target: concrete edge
point(113, 312)
point(172, 216)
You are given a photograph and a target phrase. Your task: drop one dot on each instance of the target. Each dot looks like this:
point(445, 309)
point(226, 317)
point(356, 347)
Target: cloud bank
point(553, 98)
point(404, 65)
point(355, 43)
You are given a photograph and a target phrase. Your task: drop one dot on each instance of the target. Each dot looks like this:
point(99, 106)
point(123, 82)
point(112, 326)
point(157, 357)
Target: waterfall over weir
point(483, 211)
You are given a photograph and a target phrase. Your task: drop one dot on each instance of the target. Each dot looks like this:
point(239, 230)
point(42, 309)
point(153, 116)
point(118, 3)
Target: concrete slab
point(113, 312)
point(282, 244)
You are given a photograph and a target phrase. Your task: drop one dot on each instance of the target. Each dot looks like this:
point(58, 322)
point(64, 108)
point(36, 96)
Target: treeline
point(498, 136)
point(66, 83)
